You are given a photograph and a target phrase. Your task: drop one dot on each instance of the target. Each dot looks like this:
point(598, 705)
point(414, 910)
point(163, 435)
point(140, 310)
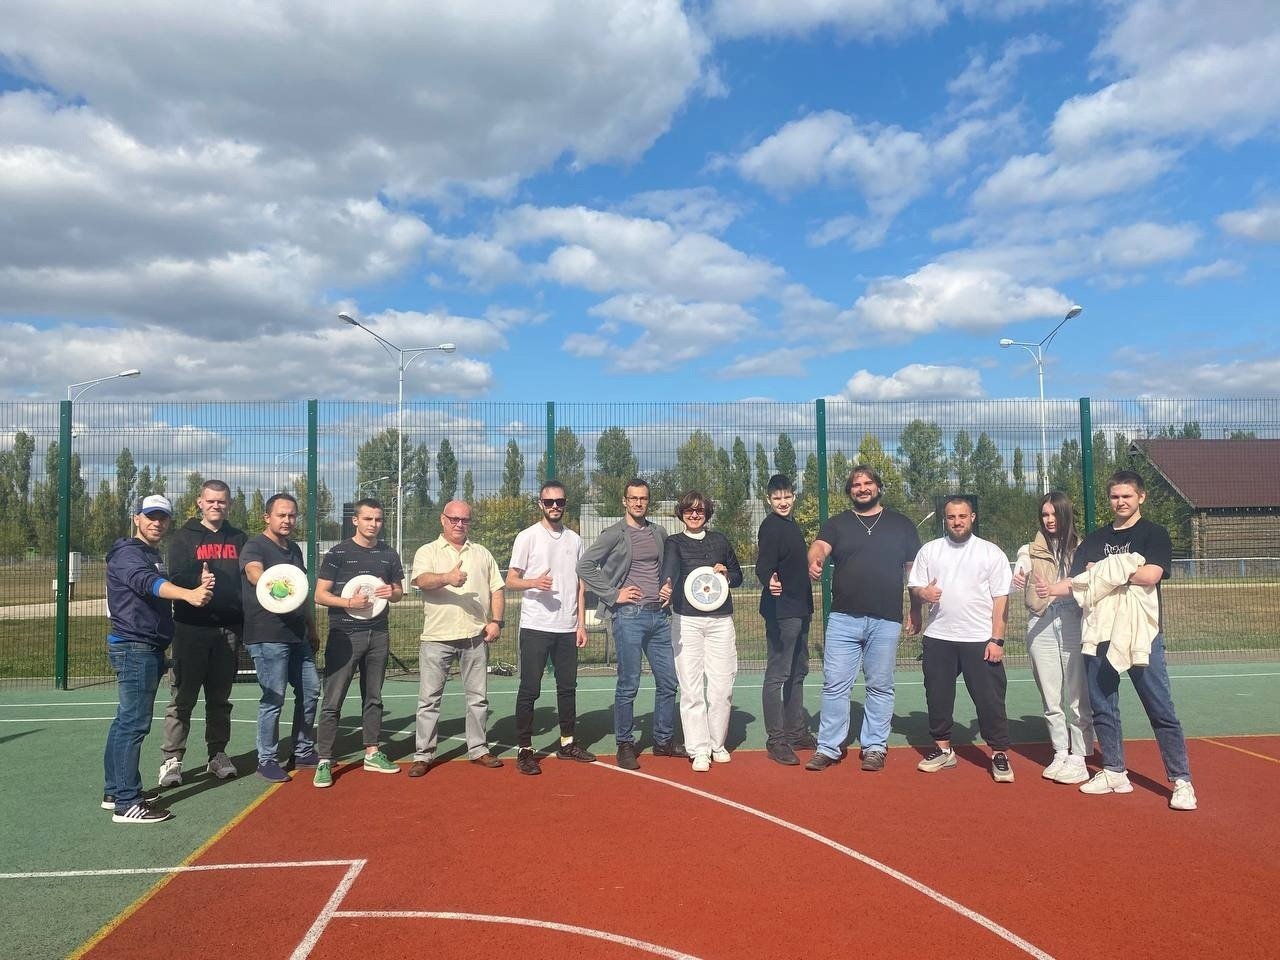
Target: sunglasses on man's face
point(553, 502)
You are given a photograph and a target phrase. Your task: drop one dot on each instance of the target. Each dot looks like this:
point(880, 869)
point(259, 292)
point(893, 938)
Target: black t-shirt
point(348, 560)
point(1145, 537)
point(869, 567)
point(782, 551)
point(263, 626)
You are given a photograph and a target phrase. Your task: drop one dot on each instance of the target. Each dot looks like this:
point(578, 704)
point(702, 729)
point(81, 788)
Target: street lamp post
point(369, 483)
point(63, 596)
point(73, 394)
point(403, 356)
point(1036, 350)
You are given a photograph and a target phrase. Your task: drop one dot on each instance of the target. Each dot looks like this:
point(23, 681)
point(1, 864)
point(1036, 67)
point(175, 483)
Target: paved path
point(43, 611)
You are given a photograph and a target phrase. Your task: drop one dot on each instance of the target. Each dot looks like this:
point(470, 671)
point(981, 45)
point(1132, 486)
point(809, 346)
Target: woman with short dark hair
point(704, 641)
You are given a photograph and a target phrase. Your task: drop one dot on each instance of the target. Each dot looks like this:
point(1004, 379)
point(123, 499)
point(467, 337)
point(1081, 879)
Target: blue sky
point(635, 201)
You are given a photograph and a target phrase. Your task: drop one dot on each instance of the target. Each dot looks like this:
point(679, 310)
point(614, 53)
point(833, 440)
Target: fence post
point(1086, 462)
point(313, 489)
point(60, 643)
point(551, 441)
point(820, 417)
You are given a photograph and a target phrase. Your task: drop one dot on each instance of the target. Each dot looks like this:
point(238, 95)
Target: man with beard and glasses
point(966, 582)
point(552, 623)
point(871, 548)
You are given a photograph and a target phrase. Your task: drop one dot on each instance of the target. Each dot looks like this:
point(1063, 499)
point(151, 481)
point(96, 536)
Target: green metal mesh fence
point(1212, 469)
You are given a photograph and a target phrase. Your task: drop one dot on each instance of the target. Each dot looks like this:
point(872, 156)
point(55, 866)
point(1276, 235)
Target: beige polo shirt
point(456, 613)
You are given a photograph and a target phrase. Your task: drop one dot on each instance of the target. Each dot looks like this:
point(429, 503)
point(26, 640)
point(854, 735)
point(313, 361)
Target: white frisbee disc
point(282, 588)
point(366, 583)
point(705, 589)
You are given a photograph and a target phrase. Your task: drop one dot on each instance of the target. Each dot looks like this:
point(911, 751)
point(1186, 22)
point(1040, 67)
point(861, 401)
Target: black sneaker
point(142, 812)
point(572, 751)
point(819, 762)
point(527, 762)
point(670, 749)
point(627, 756)
point(1001, 772)
point(148, 796)
point(783, 754)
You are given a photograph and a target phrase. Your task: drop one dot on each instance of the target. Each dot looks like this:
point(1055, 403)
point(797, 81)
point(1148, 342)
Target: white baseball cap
point(155, 503)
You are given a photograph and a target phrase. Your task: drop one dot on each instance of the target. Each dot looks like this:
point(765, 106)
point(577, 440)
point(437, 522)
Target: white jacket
point(1116, 611)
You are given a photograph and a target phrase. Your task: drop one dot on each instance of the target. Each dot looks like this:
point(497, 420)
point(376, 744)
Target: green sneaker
point(378, 763)
point(324, 775)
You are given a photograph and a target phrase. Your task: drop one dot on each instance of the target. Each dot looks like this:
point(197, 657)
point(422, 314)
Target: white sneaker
point(1108, 781)
point(1073, 770)
point(220, 766)
point(720, 755)
point(1184, 796)
point(1052, 770)
point(701, 763)
point(171, 772)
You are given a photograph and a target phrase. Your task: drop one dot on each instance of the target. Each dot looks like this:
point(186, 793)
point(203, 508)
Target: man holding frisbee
point(358, 636)
point(283, 644)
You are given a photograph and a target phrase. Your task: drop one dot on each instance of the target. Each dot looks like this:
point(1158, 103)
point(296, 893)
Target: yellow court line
point(160, 884)
point(1219, 743)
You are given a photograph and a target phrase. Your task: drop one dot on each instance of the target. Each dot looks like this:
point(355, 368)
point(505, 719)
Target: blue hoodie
point(135, 572)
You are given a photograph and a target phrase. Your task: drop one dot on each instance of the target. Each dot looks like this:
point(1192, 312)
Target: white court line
point(303, 949)
point(645, 945)
point(609, 689)
point(191, 868)
point(934, 895)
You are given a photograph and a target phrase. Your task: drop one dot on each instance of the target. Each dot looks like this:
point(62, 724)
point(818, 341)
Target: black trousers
point(535, 647)
point(944, 660)
point(784, 672)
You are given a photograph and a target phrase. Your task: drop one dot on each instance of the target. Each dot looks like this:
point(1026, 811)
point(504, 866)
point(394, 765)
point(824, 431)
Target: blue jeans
point(637, 630)
point(852, 643)
point(1152, 684)
point(138, 667)
point(278, 663)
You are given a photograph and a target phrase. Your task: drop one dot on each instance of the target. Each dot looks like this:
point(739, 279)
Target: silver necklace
point(873, 523)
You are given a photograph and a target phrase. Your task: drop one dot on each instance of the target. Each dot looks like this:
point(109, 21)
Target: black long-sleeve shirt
point(782, 551)
point(684, 554)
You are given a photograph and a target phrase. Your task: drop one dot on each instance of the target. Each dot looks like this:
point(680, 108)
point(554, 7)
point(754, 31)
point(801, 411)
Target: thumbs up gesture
point(775, 585)
point(664, 592)
point(1042, 588)
point(206, 576)
point(457, 576)
point(932, 593)
point(541, 582)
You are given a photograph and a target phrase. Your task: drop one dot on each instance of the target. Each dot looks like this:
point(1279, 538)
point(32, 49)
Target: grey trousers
point(434, 659)
point(347, 650)
point(203, 658)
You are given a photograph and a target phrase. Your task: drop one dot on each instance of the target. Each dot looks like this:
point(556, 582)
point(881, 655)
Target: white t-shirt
point(971, 574)
point(537, 550)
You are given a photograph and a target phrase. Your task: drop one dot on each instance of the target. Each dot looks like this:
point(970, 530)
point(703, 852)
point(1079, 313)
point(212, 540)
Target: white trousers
point(706, 652)
point(1053, 643)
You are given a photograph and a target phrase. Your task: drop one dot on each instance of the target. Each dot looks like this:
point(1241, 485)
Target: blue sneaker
point(272, 771)
point(308, 759)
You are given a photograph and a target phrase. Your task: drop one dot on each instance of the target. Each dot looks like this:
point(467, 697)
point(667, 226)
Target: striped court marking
point(1231, 746)
point(940, 898)
point(159, 885)
point(653, 948)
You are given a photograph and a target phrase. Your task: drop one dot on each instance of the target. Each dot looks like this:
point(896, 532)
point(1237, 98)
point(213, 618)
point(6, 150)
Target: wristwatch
point(500, 623)
point(997, 641)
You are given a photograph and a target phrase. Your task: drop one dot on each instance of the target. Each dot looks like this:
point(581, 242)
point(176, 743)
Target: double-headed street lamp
point(403, 356)
point(1036, 350)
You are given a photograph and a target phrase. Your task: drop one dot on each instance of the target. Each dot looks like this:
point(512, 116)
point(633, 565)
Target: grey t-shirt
point(644, 562)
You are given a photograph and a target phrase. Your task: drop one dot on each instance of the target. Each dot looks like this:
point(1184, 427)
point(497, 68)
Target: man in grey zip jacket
point(622, 568)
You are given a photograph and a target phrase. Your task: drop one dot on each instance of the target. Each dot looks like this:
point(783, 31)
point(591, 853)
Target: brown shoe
point(487, 760)
point(419, 768)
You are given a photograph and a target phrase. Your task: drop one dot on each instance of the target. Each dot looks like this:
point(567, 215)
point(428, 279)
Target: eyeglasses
point(695, 512)
point(460, 521)
point(553, 502)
